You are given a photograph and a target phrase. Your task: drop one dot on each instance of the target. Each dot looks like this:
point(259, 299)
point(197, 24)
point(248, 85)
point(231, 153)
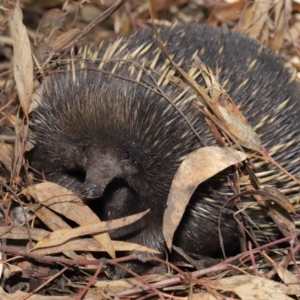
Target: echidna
point(109, 131)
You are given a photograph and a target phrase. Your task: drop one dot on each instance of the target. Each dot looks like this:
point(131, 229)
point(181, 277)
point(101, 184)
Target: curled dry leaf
point(61, 236)
point(279, 205)
point(23, 65)
point(280, 198)
point(197, 167)
point(282, 219)
point(66, 203)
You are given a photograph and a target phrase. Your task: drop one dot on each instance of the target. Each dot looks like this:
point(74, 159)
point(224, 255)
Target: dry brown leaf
point(52, 220)
point(249, 287)
point(6, 153)
point(282, 219)
point(282, 14)
point(53, 18)
point(10, 270)
point(61, 236)
point(197, 167)
point(64, 37)
point(23, 64)
point(48, 217)
point(225, 11)
point(203, 296)
point(254, 20)
point(117, 286)
point(58, 39)
point(92, 246)
point(68, 204)
point(53, 32)
point(293, 33)
point(89, 12)
point(21, 233)
point(288, 278)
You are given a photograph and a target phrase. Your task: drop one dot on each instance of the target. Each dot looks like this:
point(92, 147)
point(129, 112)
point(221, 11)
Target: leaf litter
point(52, 205)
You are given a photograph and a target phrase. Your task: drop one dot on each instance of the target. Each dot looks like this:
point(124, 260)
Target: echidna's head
point(97, 128)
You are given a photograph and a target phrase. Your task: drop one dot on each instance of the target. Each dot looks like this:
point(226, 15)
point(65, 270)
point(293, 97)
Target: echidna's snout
point(101, 169)
point(93, 190)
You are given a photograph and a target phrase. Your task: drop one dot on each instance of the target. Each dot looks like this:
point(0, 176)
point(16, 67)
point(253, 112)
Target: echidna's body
point(119, 134)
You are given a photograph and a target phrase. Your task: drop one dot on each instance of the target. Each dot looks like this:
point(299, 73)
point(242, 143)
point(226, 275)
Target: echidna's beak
point(101, 170)
point(94, 190)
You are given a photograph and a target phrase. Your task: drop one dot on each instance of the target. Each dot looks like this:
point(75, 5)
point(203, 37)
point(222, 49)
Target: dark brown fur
point(109, 138)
